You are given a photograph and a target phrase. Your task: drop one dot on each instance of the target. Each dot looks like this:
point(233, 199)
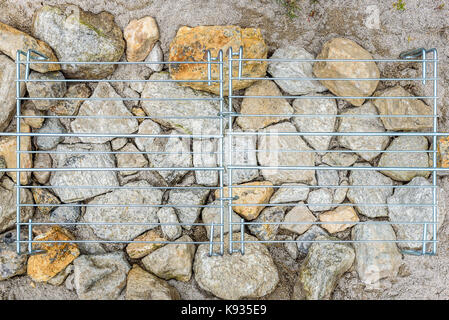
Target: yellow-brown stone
point(443, 152)
point(57, 256)
point(140, 36)
point(344, 213)
point(43, 196)
point(191, 44)
point(137, 250)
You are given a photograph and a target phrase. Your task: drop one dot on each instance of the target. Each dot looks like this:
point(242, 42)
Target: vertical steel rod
point(435, 164)
point(228, 169)
point(221, 158)
point(18, 93)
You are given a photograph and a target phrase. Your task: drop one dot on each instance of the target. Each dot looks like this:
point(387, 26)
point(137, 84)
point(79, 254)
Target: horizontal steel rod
point(334, 60)
point(333, 79)
point(337, 97)
point(114, 169)
point(336, 168)
point(118, 99)
point(120, 62)
point(109, 135)
point(129, 205)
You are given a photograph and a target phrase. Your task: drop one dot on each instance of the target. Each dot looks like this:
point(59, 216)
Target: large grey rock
point(172, 230)
point(375, 260)
point(211, 214)
point(205, 155)
point(78, 35)
point(66, 214)
point(46, 89)
point(305, 240)
point(344, 159)
point(42, 160)
point(182, 198)
point(100, 277)
point(327, 177)
point(8, 204)
point(156, 55)
point(49, 142)
point(11, 263)
point(292, 192)
point(130, 157)
point(71, 159)
point(109, 116)
point(236, 276)
point(299, 216)
point(375, 197)
point(268, 231)
point(320, 199)
point(141, 210)
point(362, 122)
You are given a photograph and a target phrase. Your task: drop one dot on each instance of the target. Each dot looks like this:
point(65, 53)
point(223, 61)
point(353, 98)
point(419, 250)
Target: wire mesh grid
point(224, 72)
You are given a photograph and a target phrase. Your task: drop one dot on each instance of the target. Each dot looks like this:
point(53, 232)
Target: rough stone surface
point(49, 142)
point(443, 152)
point(43, 196)
point(341, 48)
point(168, 215)
point(11, 263)
point(320, 199)
point(266, 232)
point(291, 192)
point(60, 278)
point(173, 261)
point(205, 155)
point(65, 214)
point(156, 55)
point(42, 160)
point(340, 193)
point(28, 109)
point(140, 36)
point(344, 159)
point(299, 214)
point(189, 197)
point(2, 166)
point(327, 177)
point(190, 44)
point(211, 214)
point(46, 89)
point(304, 241)
point(130, 160)
point(78, 35)
point(71, 107)
point(343, 213)
point(139, 249)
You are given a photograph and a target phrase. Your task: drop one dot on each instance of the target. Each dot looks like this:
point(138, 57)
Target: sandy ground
point(376, 25)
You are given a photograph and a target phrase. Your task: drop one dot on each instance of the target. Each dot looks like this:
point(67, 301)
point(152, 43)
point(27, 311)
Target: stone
point(299, 214)
point(305, 240)
point(211, 214)
point(68, 214)
point(327, 177)
point(45, 197)
point(140, 113)
point(118, 143)
point(325, 263)
point(341, 48)
point(60, 278)
point(378, 260)
point(46, 87)
point(179, 198)
point(320, 199)
point(289, 245)
point(376, 197)
point(78, 35)
point(443, 152)
point(407, 107)
point(320, 123)
point(71, 107)
point(294, 70)
point(138, 249)
point(156, 55)
point(42, 160)
point(343, 159)
point(342, 213)
point(406, 159)
point(172, 230)
point(267, 232)
point(35, 119)
point(13, 40)
point(249, 198)
point(100, 276)
point(236, 276)
point(362, 124)
point(141, 212)
point(2, 166)
point(71, 159)
point(341, 192)
point(205, 155)
point(142, 285)
point(44, 266)
point(168, 110)
point(147, 127)
point(173, 261)
point(191, 44)
point(140, 36)
point(272, 141)
point(292, 192)
point(49, 142)
point(255, 106)
point(103, 125)
point(133, 159)
point(8, 193)
point(11, 263)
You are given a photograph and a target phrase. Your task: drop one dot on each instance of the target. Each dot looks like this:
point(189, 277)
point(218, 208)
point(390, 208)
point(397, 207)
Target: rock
point(140, 113)
point(211, 214)
point(11, 263)
point(236, 276)
point(273, 141)
point(156, 55)
point(2, 166)
point(13, 40)
point(60, 278)
point(46, 89)
point(320, 199)
point(343, 159)
point(140, 36)
point(294, 70)
point(8, 193)
point(340, 193)
point(289, 245)
point(443, 152)
point(133, 159)
point(170, 109)
point(45, 197)
point(179, 198)
point(146, 127)
point(254, 106)
point(325, 263)
point(249, 197)
point(406, 107)
point(378, 260)
point(50, 142)
point(71, 159)
point(43, 267)
point(406, 159)
point(168, 215)
point(340, 48)
point(143, 207)
point(305, 240)
point(344, 213)
point(173, 261)
point(191, 44)
point(138, 249)
point(96, 108)
point(78, 35)
point(36, 120)
point(205, 155)
point(42, 160)
point(362, 124)
point(66, 214)
point(71, 107)
point(118, 143)
point(375, 196)
point(319, 123)
point(101, 276)
point(293, 192)
point(266, 232)
point(142, 285)
point(327, 177)
point(299, 214)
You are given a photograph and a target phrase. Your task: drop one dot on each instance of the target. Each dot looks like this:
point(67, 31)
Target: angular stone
point(138, 249)
point(187, 197)
point(2, 166)
point(298, 214)
point(340, 193)
point(142, 285)
point(173, 261)
point(141, 210)
point(266, 232)
point(140, 36)
point(362, 124)
point(344, 159)
point(378, 260)
point(49, 142)
point(35, 120)
point(305, 240)
point(156, 55)
point(191, 44)
point(254, 106)
point(211, 214)
point(43, 267)
point(406, 159)
point(343, 213)
point(267, 157)
point(320, 199)
point(294, 70)
point(167, 215)
point(100, 276)
point(443, 152)
point(118, 143)
point(46, 89)
point(341, 48)
point(292, 192)
point(60, 278)
point(327, 177)
point(130, 160)
point(407, 107)
point(205, 155)
point(78, 35)
point(11, 263)
point(71, 107)
point(236, 276)
point(140, 113)
point(13, 40)
point(65, 214)
point(43, 196)
point(42, 160)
